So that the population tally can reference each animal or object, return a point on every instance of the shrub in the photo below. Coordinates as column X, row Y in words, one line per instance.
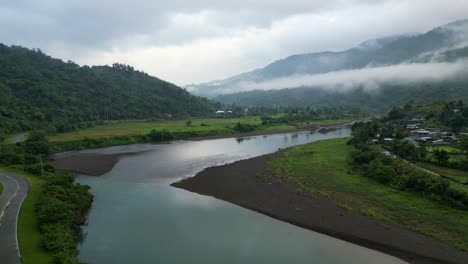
column 241, row 127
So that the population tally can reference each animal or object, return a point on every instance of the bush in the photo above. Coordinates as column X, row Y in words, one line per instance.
column 242, row 128
column 157, row 136
column 60, row 210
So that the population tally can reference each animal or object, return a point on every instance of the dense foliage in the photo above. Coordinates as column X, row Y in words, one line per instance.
column 38, row 91
column 61, row 209
column 450, row 116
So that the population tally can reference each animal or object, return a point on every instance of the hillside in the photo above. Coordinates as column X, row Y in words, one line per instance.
column 443, row 44
column 40, row 91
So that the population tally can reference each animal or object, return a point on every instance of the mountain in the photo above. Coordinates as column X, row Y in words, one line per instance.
column 442, row 44
column 38, row 91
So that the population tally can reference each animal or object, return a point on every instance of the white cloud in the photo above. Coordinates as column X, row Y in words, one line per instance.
column 201, row 40
column 370, row 78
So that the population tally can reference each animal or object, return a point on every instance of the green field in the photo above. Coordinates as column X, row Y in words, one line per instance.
column 141, row 127
column 449, row 149
column 321, row 168
column 29, row 238
column 456, row 174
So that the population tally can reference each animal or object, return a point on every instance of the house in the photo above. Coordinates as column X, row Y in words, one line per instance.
column 412, row 127
column 421, row 132
column 440, row 142
column 220, row 112
column 425, row 139
column 416, row 121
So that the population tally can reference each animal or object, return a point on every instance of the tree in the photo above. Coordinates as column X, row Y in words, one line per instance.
column 442, row 157
column 37, row 144
column 188, row 123
column 464, row 143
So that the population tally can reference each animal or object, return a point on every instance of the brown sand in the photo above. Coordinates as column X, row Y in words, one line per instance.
column 89, row 164
column 250, row 184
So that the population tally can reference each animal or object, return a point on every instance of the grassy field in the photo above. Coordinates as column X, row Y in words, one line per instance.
column 449, row 149
column 321, row 168
column 28, row 231
column 456, row 174
column 141, row 127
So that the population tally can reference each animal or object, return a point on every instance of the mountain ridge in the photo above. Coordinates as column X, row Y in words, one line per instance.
column 391, row 50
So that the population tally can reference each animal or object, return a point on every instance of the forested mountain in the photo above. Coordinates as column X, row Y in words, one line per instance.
column 374, row 100
column 37, row 91
column 442, row 44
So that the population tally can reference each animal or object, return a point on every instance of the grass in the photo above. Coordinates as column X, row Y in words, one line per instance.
column 453, row 173
column 321, row 168
column 141, row 127
column 29, row 237
column 1, row 189
column 8, row 139
column 449, row 149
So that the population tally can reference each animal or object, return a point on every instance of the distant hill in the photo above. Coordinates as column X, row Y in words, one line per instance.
column 442, row 44
column 39, row 91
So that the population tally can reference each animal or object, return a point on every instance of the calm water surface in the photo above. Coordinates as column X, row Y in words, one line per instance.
column 137, row 217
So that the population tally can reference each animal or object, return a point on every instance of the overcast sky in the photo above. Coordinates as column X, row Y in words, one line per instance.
column 192, row 41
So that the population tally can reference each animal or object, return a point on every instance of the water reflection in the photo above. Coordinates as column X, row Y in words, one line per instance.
column 137, row 217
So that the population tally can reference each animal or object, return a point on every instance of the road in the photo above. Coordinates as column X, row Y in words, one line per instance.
column 14, row 192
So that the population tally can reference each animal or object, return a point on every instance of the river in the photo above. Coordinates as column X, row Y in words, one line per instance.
column 137, row 217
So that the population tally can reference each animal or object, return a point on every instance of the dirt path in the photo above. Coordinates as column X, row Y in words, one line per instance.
column 18, row 138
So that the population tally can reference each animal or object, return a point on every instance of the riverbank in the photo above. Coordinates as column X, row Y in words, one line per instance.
column 97, row 164
column 188, row 133
column 315, row 191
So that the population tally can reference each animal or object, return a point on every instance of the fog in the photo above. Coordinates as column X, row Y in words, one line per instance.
column 370, row 78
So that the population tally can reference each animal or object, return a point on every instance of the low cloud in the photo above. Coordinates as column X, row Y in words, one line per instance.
column 370, row 78
column 193, row 41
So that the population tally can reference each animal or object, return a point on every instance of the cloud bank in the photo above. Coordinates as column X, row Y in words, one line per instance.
column 369, row 78
column 192, row 41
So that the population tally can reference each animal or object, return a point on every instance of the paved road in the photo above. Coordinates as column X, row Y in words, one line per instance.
column 14, row 191
column 18, row 138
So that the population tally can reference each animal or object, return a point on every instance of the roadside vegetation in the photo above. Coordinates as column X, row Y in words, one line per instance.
column 54, row 208
column 325, row 169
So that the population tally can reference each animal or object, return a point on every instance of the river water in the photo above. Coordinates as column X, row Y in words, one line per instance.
column 137, row 217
